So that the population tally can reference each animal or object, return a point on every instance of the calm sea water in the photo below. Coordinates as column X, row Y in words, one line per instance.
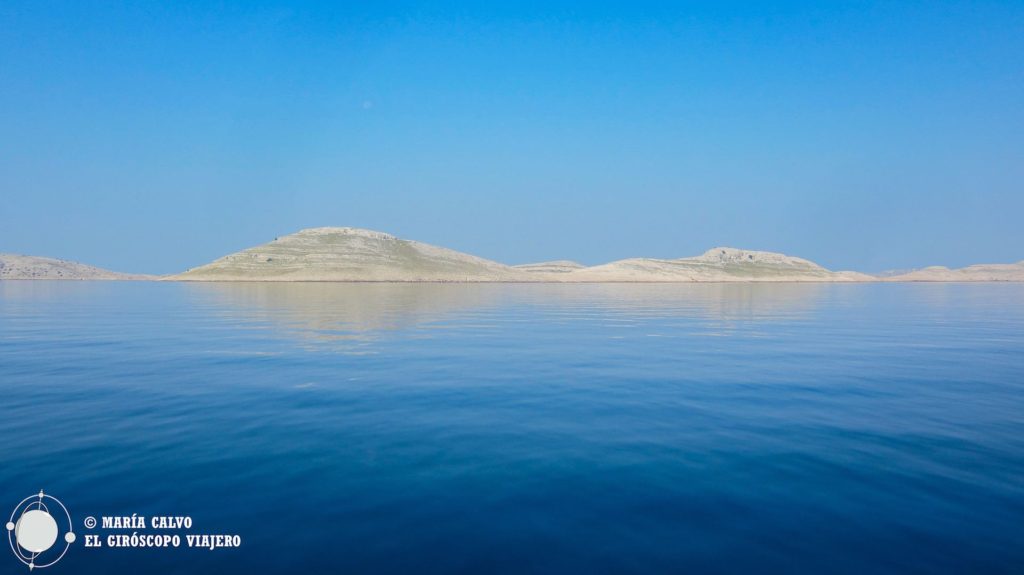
column 384, row 428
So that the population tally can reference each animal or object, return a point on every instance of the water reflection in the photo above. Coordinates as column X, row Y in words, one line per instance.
column 356, row 311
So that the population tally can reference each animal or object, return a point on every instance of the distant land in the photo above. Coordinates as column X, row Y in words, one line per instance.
column 17, row 267
column 351, row 254
column 975, row 273
column 358, row 255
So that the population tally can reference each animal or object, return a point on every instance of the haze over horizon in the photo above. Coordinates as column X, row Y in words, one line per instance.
column 868, row 136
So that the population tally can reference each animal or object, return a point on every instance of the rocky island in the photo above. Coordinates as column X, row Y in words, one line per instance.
column 352, row 254
column 333, row 254
column 19, row 267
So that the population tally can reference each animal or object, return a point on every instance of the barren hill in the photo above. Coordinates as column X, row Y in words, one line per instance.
column 18, row 267
column 351, row 254
column 975, row 273
column 348, row 254
column 717, row 264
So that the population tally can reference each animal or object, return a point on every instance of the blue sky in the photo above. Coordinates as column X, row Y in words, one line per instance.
column 153, row 137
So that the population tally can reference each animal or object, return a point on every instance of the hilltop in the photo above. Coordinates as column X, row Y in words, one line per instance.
column 348, row 254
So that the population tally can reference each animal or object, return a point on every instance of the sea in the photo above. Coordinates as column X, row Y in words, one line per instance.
column 514, row 428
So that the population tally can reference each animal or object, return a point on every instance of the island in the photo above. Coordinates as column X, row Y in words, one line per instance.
column 342, row 254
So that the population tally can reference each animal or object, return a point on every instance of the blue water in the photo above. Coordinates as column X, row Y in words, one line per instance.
column 378, row 428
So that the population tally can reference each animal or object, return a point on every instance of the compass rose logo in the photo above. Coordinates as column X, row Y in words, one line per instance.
column 34, row 528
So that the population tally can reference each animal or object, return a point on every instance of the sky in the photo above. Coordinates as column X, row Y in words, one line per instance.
column 154, row 137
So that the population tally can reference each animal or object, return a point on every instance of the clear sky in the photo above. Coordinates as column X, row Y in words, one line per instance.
column 153, row 137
